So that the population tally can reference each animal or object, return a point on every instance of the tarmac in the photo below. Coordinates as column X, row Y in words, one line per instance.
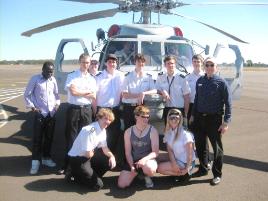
column 245, row 144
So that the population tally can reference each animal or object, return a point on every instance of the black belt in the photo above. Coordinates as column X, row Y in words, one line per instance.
column 208, row 114
column 130, row 104
column 80, row 106
column 111, row 108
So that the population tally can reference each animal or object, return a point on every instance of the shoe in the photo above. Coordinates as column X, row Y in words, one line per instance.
column 148, row 182
column 69, row 178
column 61, row 171
column 35, row 166
column 98, row 185
column 209, row 165
column 48, row 162
column 215, row 181
column 200, row 173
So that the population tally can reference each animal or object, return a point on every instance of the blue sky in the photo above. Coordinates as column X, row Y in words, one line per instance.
column 16, row 16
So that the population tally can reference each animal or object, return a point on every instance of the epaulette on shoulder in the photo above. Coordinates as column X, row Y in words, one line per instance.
column 161, row 73
column 181, row 75
column 127, row 74
column 99, row 73
column 149, row 74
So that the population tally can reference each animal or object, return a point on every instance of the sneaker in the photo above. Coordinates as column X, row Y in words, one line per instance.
column 35, row 166
column 48, row 162
column 215, row 181
column 148, row 182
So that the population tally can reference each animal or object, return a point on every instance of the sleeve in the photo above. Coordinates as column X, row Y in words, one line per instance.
column 29, row 92
column 185, row 88
column 125, row 85
column 227, row 98
column 157, row 83
column 68, row 81
column 86, row 140
column 56, row 92
column 188, row 137
column 152, row 83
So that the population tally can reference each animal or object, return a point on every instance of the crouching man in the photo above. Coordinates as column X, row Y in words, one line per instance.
column 90, row 158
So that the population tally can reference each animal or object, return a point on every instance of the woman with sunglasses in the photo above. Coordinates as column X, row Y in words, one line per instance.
column 141, row 149
column 180, row 147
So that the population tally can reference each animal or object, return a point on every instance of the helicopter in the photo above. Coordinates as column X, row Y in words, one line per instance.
column 153, row 40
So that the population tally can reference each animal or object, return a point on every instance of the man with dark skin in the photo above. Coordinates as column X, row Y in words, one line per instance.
column 41, row 96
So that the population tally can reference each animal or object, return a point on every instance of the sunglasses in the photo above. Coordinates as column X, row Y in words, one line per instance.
column 145, row 116
column 209, row 65
column 174, row 118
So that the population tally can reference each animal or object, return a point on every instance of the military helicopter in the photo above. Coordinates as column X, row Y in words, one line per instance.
column 154, row 40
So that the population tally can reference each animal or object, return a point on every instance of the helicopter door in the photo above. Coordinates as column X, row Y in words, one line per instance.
column 66, row 60
column 230, row 65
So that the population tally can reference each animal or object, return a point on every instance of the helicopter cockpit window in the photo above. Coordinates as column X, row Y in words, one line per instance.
column 152, row 54
column 124, row 50
column 182, row 52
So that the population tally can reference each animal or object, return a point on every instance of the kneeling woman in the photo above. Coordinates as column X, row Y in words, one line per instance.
column 180, row 147
column 90, row 158
column 141, row 149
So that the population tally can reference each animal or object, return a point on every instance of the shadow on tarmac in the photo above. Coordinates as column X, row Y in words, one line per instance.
column 160, row 183
column 18, row 166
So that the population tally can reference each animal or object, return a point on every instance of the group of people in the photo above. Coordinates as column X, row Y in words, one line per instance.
column 97, row 142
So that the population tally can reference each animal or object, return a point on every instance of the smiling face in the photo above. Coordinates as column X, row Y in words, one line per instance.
column 111, row 65
column 84, row 63
column 47, row 71
column 210, row 68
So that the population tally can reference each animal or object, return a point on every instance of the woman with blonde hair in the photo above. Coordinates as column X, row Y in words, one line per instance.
column 180, row 147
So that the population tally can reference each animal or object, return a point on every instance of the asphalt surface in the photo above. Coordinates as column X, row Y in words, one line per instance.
column 245, row 145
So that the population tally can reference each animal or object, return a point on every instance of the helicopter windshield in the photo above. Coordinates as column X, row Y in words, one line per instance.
column 124, row 50
column 182, row 52
column 152, row 54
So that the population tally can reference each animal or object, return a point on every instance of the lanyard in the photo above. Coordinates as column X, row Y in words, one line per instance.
column 170, row 83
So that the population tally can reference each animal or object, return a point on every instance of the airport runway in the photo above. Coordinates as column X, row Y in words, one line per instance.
column 245, row 167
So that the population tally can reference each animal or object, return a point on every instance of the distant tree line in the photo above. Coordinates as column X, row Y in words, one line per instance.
column 33, row 62
column 248, row 63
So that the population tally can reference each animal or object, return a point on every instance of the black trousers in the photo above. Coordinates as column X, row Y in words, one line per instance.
column 128, row 116
column 42, row 136
column 89, row 171
column 207, row 126
column 115, row 137
column 165, row 112
column 76, row 118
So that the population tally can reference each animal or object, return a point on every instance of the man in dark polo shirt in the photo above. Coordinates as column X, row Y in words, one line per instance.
column 210, row 115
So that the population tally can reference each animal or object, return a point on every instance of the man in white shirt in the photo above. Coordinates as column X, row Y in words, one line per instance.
column 174, row 88
column 90, row 158
column 109, row 89
column 81, row 92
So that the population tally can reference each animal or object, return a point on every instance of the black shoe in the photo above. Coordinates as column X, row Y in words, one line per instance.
column 98, row 185
column 183, row 178
column 69, row 178
column 200, row 173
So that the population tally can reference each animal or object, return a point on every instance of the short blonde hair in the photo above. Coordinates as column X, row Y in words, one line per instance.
column 105, row 112
column 141, row 110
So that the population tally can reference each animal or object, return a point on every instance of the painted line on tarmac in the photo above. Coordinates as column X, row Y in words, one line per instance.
column 3, row 117
column 7, row 95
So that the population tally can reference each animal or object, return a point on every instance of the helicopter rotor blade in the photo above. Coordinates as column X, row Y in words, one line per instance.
column 97, row 1
column 72, row 20
column 210, row 26
column 231, row 3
